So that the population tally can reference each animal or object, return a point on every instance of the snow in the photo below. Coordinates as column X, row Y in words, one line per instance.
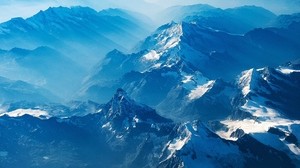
column 259, row 131
column 151, row 56
column 258, row 110
column 135, row 120
column 287, row 71
column 169, row 38
column 46, row 157
column 245, row 80
column 172, row 43
column 157, row 65
column 187, row 78
column 201, row 90
column 202, row 144
column 293, row 148
column 250, row 126
column 21, row 112
column 178, row 143
column 191, row 81
column 107, row 126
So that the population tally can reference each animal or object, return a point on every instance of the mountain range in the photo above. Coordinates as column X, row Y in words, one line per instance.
column 209, row 87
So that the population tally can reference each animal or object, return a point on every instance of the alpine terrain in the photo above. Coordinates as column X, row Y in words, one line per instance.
column 189, row 86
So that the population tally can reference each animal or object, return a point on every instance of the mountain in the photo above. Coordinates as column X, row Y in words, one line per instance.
column 123, row 129
column 42, row 66
column 81, row 33
column 255, row 16
column 177, row 13
column 143, row 20
column 286, row 20
column 185, row 66
column 275, row 88
column 203, row 147
column 266, row 108
column 14, row 91
column 125, row 134
column 237, row 20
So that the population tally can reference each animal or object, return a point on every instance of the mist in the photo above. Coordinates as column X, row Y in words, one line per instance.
column 22, row 8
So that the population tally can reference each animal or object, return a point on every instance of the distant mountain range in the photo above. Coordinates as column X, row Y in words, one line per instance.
column 44, row 67
column 233, row 20
column 12, row 91
column 81, row 33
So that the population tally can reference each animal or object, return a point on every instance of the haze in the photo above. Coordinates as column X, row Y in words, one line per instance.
column 26, row 8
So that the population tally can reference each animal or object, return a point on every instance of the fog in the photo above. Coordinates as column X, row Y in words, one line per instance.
column 26, row 8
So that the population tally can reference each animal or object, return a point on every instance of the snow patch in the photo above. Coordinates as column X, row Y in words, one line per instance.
column 46, row 157
column 245, row 80
column 250, row 126
column 287, row 71
column 21, row 112
column 191, row 81
column 107, row 126
column 201, row 90
column 293, row 148
column 187, row 78
column 151, row 56
column 178, row 143
column 258, row 110
column 157, row 65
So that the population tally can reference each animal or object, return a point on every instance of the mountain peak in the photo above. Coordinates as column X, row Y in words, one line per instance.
column 164, row 38
column 120, row 94
column 64, row 12
column 120, row 103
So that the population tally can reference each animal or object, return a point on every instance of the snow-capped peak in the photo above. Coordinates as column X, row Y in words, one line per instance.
column 170, row 37
column 161, row 41
column 245, row 80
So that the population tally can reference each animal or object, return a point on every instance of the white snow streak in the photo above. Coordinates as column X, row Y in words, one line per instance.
column 201, row 90
column 21, row 112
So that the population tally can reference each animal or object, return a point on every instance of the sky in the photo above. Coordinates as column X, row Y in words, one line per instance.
column 27, row 8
